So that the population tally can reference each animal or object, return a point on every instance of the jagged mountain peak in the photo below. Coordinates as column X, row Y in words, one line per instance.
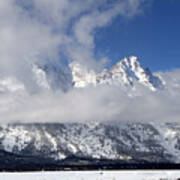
column 51, row 77
column 131, row 62
column 81, row 76
column 129, row 70
column 125, row 73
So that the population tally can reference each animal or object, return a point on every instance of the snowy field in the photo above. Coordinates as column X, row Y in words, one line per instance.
column 93, row 175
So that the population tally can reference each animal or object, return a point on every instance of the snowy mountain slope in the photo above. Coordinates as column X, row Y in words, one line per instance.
column 79, row 143
column 89, row 175
column 133, row 142
column 125, row 73
column 81, row 76
column 50, row 77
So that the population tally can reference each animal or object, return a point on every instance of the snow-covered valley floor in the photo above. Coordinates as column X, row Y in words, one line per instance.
column 93, row 175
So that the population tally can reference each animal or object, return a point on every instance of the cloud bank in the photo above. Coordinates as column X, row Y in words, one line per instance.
column 101, row 104
column 41, row 31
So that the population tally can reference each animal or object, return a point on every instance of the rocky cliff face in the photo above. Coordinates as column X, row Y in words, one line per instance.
column 126, row 72
column 77, row 143
column 133, row 142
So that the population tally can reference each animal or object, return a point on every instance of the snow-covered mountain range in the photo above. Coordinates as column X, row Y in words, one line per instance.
column 82, row 143
column 126, row 73
column 130, row 143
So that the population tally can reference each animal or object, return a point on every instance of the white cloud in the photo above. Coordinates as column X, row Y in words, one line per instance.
column 34, row 30
column 100, row 104
column 85, row 26
column 40, row 30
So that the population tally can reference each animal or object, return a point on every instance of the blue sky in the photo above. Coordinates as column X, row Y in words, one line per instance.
column 153, row 36
column 67, row 30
